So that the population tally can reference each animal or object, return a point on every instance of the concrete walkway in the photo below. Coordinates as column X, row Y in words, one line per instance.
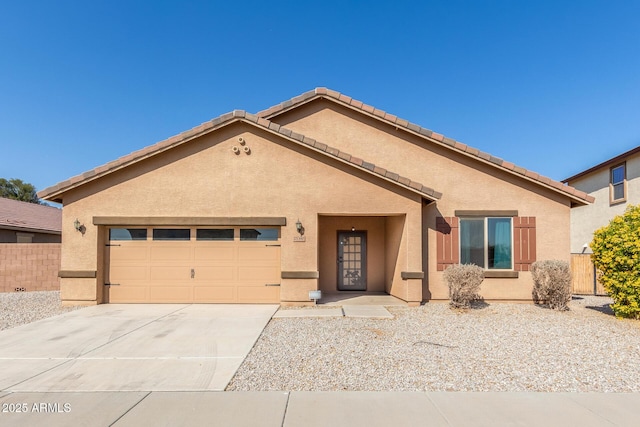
column 308, row 409
column 366, row 311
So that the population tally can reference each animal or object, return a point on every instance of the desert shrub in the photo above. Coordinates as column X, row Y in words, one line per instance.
column 616, row 254
column 551, row 283
column 464, row 282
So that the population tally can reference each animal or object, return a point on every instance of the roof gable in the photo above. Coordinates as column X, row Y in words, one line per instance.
column 55, row 192
column 30, row 216
column 575, row 195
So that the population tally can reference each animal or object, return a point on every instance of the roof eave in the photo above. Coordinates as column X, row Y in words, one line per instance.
column 29, row 229
column 607, row 163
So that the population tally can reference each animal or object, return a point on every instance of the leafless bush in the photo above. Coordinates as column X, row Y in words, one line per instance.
column 551, row 283
column 464, row 282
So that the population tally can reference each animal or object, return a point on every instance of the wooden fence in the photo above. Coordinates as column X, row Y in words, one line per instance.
column 583, row 272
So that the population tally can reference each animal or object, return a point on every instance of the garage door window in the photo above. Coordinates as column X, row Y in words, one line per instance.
column 171, row 234
column 258, row 234
column 128, row 234
column 214, row 234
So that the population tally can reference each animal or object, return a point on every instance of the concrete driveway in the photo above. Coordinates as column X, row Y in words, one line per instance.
column 118, row 347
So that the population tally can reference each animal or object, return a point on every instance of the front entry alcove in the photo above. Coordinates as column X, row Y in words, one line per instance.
column 368, row 258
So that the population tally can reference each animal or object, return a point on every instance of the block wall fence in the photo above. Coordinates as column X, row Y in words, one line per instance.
column 29, row 267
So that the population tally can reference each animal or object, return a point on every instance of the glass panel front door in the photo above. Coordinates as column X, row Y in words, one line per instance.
column 352, row 261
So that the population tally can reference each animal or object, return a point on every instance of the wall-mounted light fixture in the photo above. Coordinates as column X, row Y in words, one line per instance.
column 299, row 227
column 79, row 226
column 353, row 229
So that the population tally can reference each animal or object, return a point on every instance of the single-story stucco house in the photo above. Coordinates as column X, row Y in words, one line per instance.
column 320, row 192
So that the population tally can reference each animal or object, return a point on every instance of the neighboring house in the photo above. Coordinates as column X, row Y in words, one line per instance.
column 22, row 222
column 321, row 192
column 615, row 184
column 29, row 246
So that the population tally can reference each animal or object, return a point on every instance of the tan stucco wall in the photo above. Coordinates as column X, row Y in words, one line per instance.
column 466, row 184
column 394, row 263
column 206, row 179
column 587, row 219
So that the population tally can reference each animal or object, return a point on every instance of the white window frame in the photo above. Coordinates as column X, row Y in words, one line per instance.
column 485, row 220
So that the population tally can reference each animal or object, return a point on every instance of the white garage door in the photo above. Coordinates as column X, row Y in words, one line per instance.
column 185, row 265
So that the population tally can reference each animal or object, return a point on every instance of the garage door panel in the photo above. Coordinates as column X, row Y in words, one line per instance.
column 215, row 274
column 131, row 294
column 259, row 294
column 174, row 252
column 257, row 254
column 128, row 254
column 171, row 293
column 128, row 272
column 162, row 273
column 258, row 273
column 225, row 253
column 215, row 293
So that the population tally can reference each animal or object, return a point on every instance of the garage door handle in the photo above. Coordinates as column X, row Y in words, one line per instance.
column 112, row 284
column 272, row 284
column 272, row 245
column 193, row 273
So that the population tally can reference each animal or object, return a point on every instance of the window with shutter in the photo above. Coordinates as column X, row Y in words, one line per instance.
column 524, row 242
column 485, row 241
column 448, row 248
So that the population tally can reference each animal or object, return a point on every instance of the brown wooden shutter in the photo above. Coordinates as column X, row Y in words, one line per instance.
column 448, row 246
column 524, row 242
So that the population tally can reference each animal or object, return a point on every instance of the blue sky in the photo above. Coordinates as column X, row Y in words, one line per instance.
column 553, row 86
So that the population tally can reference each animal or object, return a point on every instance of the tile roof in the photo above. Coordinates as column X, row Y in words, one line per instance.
column 262, row 120
column 427, row 134
column 30, row 216
column 53, row 193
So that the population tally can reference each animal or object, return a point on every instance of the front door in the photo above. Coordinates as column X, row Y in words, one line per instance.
column 352, row 261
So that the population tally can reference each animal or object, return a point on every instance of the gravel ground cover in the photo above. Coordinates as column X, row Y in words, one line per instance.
column 493, row 347
column 19, row 308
